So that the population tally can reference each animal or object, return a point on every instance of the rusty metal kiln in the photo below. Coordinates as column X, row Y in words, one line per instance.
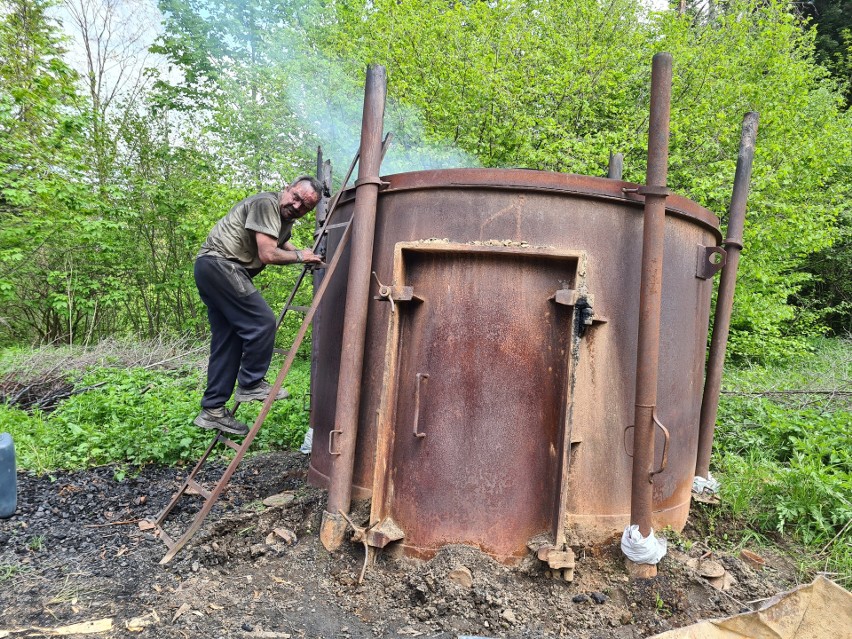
column 498, row 386
column 520, row 363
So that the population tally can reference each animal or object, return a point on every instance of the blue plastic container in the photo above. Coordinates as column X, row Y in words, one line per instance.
column 8, row 478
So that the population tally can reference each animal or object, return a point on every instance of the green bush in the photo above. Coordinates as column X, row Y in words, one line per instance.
column 785, row 458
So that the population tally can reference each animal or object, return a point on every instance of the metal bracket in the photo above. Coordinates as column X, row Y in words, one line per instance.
column 707, row 264
column 384, row 532
column 560, row 559
column 565, row 297
column 584, row 303
column 372, row 180
column 647, row 189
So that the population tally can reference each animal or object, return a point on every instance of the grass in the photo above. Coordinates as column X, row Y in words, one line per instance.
column 783, row 450
column 135, row 415
column 7, row 571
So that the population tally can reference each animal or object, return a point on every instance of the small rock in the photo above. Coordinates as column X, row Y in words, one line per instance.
column 247, row 627
column 509, row 616
column 722, row 583
column 599, row 597
column 462, row 576
column 579, row 599
column 286, row 534
column 281, row 499
column 710, row 569
column 196, row 566
column 755, row 560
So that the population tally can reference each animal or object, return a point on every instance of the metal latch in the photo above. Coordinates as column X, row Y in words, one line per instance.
column 394, row 293
column 583, row 304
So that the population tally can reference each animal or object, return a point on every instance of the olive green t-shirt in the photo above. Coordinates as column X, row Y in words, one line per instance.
column 233, row 236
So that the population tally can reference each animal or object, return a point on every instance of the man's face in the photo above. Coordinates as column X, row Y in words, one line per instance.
column 296, row 201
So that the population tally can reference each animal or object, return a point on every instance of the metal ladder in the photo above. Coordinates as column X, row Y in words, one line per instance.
column 190, row 485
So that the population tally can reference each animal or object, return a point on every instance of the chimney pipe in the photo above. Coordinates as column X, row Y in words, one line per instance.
column 650, row 295
column 725, row 299
column 342, row 446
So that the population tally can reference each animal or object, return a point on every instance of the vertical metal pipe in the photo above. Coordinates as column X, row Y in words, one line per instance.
column 725, row 298
column 616, row 166
column 650, row 295
column 355, row 313
column 320, row 241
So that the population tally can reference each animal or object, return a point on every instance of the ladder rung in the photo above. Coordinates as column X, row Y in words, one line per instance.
column 194, row 488
column 164, row 537
column 229, row 443
column 281, row 351
column 299, row 309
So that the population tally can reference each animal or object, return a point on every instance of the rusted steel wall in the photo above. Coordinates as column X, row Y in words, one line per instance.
column 600, row 223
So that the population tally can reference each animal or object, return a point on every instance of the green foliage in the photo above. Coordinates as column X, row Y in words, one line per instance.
column 801, row 463
column 833, row 22
column 142, row 416
column 785, row 459
column 227, row 51
column 42, row 199
column 828, row 292
column 557, row 85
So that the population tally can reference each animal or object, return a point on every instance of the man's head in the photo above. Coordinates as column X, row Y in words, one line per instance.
column 299, row 198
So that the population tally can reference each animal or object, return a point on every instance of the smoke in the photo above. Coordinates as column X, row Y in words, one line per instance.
column 327, row 98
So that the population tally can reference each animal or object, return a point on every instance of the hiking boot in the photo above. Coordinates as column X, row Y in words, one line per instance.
column 220, row 419
column 258, row 393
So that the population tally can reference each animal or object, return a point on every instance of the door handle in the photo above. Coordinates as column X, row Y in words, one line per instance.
column 420, row 378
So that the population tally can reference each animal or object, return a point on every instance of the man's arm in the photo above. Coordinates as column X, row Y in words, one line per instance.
column 269, row 253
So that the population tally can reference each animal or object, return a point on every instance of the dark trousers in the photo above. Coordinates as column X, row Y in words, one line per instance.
column 242, row 328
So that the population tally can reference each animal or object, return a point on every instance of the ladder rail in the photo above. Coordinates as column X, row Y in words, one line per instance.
column 158, row 519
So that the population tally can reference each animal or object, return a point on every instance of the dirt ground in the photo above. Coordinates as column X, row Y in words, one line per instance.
column 73, row 553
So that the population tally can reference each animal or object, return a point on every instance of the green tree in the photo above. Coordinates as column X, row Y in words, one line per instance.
column 42, row 195
column 227, row 52
column 557, row 85
column 832, row 20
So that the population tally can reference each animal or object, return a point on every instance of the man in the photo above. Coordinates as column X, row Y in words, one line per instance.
column 256, row 232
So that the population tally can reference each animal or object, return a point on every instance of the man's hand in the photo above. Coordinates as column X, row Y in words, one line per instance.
column 309, row 257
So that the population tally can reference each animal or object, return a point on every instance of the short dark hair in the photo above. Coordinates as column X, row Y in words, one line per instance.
column 312, row 181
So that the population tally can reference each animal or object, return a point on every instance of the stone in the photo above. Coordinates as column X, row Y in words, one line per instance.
column 281, row 499
column 710, row 569
column 287, row 535
column 509, row 616
column 462, row 576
